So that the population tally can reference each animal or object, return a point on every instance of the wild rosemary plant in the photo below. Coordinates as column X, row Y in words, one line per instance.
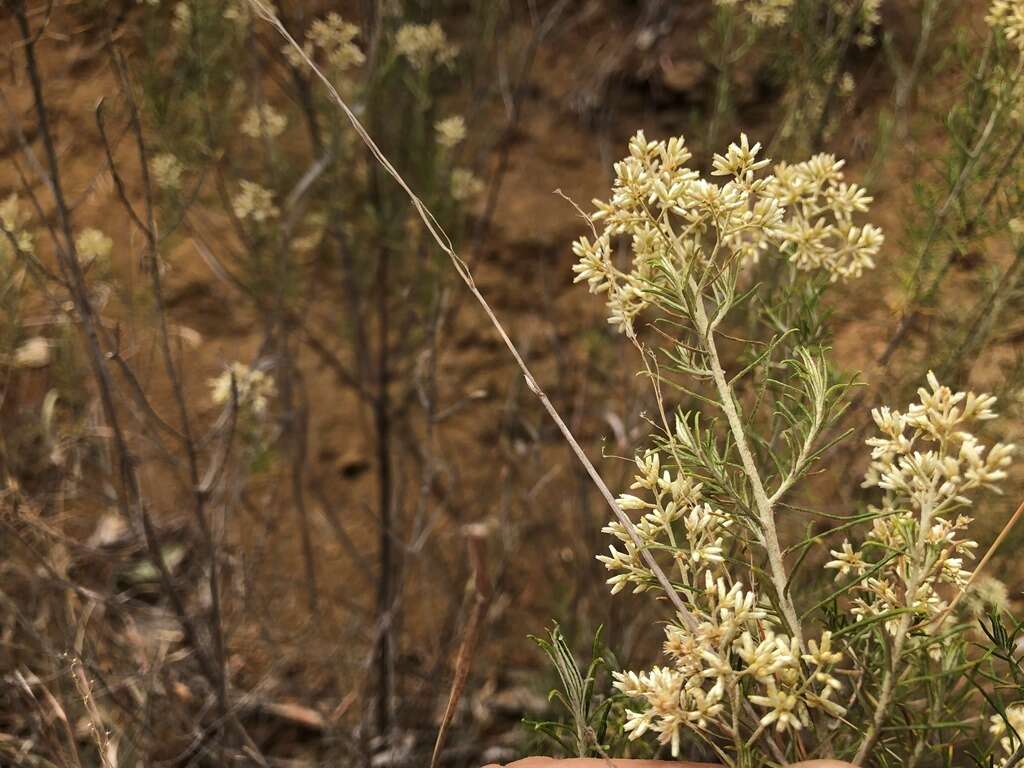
column 756, row 674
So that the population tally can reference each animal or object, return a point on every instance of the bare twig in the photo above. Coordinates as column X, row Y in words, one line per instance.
column 131, row 502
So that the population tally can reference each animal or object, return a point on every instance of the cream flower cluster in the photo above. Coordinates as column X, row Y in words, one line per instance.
column 775, row 13
column 92, row 244
column 263, row 121
column 818, row 232
column 166, row 170
column 465, row 185
column 763, row 13
column 673, row 216
column 424, row 46
column 926, row 462
column 1007, row 16
column 871, row 19
column 336, row 38
column 254, row 388
column 734, row 652
column 674, row 500
column 254, row 202
column 451, row 131
column 1009, row 742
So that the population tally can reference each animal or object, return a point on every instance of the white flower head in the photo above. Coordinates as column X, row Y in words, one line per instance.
column 263, row 121
column 254, row 202
column 253, row 388
column 803, row 212
column 92, row 245
column 465, row 185
column 424, row 46
column 451, row 131
column 337, row 39
column 166, row 170
column 182, row 20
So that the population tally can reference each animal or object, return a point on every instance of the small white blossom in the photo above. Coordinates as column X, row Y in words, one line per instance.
column 927, row 463
column 254, row 388
column 263, row 121
column 424, row 45
column 988, row 592
column 166, row 170
column 255, row 202
column 1009, row 741
column 465, row 185
column 847, row 560
column 92, row 245
column 782, row 709
column 451, row 131
column 763, row 13
column 336, row 38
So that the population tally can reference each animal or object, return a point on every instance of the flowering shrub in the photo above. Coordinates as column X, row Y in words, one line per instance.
column 744, row 660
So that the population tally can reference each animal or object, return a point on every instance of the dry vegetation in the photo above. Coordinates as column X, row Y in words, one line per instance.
column 273, row 490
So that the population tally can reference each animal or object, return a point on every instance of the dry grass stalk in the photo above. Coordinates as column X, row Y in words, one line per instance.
column 445, row 243
column 464, row 659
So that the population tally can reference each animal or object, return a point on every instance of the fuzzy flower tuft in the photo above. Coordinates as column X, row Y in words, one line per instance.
column 762, row 13
column 263, row 121
column 451, row 131
column 254, row 389
column 465, row 185
column 242, row 13
column 1009, row 740
column 166, row 170
column 254, row 202
column 92, row 245
column 424, row 46
column 336, row 38
column 181, row 22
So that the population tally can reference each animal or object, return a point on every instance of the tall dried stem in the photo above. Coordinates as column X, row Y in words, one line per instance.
column 444, row 242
